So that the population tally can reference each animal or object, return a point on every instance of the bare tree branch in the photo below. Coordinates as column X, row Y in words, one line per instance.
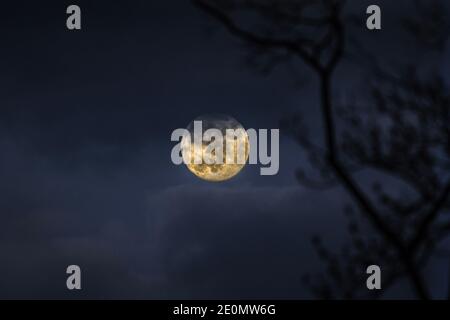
column 254, row 38
column 430, row 218
column 409, row 141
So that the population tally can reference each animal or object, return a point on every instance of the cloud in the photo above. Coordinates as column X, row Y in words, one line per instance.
column 243, row 242
column 190, row 241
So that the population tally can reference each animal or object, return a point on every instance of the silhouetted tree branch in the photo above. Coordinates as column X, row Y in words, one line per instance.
column 314, row 32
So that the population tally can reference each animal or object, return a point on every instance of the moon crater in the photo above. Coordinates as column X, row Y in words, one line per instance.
column 214, row 171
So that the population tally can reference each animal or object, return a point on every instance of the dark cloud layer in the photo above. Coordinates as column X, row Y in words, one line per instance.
column 188, row 242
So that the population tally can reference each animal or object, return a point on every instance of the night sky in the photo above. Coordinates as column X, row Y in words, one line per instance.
column 85, row 170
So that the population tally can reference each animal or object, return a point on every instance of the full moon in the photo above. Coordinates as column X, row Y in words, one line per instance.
column 217, row 172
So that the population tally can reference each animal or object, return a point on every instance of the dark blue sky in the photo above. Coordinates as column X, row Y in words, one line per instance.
column 85, row 170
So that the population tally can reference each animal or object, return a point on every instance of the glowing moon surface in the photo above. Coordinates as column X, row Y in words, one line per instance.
column 217, row 171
